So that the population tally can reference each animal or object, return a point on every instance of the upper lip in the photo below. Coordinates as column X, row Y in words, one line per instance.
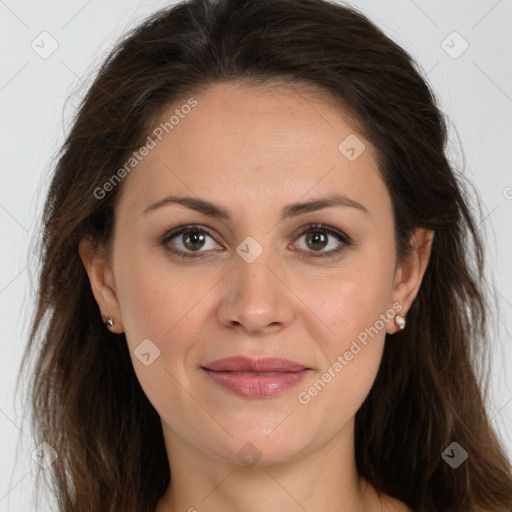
column 246, row 364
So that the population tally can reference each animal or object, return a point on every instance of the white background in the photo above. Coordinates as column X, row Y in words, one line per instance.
column 474, row 90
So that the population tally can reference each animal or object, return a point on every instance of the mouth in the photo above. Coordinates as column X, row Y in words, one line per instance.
column 251, row 378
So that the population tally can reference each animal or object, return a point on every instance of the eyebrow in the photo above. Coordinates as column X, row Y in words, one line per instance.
column 290, row 210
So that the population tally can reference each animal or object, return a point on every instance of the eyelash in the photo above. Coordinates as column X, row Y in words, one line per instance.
column 342, row 237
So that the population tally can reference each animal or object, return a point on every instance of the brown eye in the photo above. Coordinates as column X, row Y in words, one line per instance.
column 186, row 240
column 319, row 237
column 193, row 240
column 316, row 240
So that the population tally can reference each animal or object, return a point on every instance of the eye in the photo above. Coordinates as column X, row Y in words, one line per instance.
column 184, row 241
column 317, row 238
column 189, row 239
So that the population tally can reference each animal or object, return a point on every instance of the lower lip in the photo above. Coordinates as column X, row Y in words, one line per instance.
column 257, row 385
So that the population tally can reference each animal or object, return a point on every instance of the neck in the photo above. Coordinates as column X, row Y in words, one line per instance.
column 323, row 479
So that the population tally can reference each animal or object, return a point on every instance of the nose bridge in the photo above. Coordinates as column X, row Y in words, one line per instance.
column 252, row 271
column 255, row 297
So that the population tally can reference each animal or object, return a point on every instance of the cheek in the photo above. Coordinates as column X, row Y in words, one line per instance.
column 358, row 327
column 155, row 306
column 356, row 313
column 141, row 303
column 351, row 357
column 151, row 301
column 356, row 300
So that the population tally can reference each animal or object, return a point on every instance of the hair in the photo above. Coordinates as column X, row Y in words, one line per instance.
column 85, row 398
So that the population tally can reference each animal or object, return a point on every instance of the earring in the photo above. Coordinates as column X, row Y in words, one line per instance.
column 109, row 321
column 400, row 321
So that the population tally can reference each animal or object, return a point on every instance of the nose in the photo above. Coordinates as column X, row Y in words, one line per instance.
column 256, row 298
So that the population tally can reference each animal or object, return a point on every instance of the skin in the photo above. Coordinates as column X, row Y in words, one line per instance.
column 253, row 151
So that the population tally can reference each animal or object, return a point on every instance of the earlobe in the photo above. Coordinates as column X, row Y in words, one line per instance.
column 409, row 275
column 98, row 269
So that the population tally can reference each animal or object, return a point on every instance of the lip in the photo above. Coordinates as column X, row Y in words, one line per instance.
column 246, row 364
column 256, row 378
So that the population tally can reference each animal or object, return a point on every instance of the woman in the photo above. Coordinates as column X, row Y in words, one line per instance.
column 262, row 283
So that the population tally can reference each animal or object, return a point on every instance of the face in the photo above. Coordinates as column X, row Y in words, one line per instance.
column 317, row 286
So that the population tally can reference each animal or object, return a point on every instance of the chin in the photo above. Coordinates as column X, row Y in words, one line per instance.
column 263, row 445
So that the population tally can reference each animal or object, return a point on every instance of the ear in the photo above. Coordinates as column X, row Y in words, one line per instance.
column 410, row 272
column 100, row 274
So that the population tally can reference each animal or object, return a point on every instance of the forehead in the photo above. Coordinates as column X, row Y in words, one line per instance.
column 267, row 143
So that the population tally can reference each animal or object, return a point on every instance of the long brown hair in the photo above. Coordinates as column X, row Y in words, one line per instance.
column 85, row 399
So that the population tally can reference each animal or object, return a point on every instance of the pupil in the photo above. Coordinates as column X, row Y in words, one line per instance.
column 194, row 238
column 317, row 238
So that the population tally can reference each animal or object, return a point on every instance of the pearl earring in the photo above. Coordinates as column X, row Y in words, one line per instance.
column 400, row 321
